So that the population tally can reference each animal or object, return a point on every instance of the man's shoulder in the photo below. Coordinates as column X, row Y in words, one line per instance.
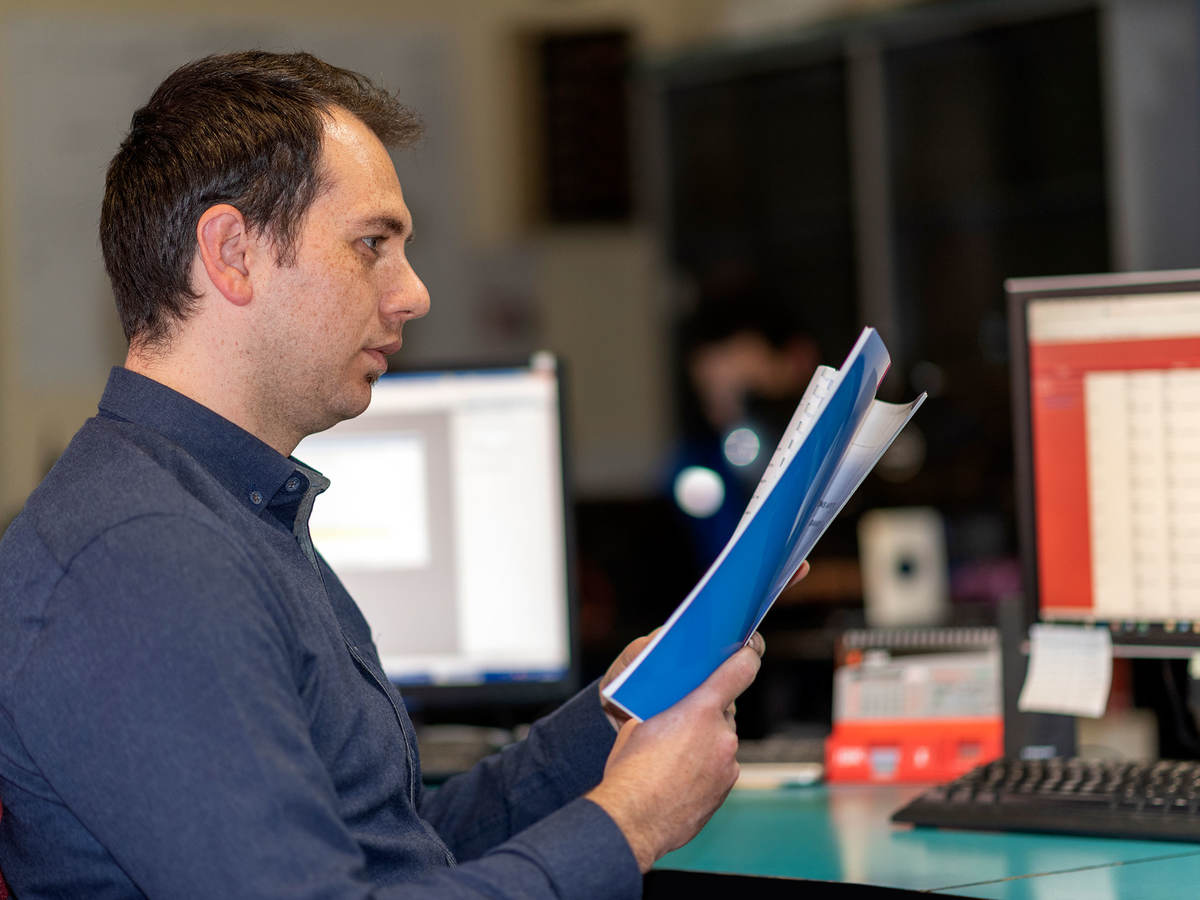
column 111, row 473
column 122, row 520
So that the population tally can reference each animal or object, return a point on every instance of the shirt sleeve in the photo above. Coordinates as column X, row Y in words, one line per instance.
column 562, row 757
column 161, row 707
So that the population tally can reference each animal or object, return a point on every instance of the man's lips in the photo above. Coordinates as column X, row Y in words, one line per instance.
column 388, row 349
column 382, row 352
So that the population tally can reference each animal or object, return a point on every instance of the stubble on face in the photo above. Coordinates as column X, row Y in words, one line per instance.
column 337, row 310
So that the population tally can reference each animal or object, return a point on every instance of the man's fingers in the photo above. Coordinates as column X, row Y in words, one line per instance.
column 757, row 643
column 632, row 649
column 800, row 573
column 624, row 735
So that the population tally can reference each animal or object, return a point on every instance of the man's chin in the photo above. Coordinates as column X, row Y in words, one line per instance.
column 353, row 404
column 358, row 404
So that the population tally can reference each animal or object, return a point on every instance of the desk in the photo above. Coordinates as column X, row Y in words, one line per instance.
column 841, row 833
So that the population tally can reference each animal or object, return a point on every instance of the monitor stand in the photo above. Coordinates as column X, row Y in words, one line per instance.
column 1026, row 735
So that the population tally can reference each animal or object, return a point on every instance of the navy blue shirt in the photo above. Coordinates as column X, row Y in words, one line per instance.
column 191, row 703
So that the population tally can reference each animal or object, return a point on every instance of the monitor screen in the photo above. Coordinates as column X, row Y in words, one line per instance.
column 446, row 521
column 1107, row 401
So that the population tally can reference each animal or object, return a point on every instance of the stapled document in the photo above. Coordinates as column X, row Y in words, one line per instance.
column 1070, row 670
column 838, row 433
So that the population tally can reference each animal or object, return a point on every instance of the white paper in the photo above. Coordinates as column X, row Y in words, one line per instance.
column 1070, row 670
column 876, row 433
column 820, row 386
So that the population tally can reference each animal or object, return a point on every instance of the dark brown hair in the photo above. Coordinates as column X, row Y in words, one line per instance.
column 240, row 128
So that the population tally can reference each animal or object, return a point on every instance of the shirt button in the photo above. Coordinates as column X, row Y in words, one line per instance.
column 255, row 497
column 292, row 484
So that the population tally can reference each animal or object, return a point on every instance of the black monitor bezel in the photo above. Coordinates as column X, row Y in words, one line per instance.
column 432, row 702
column 1130, row 638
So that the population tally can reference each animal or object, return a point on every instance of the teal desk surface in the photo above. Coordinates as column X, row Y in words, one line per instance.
column 842, row 833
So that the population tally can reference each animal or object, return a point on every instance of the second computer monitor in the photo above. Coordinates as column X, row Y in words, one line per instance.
column 1107, row 400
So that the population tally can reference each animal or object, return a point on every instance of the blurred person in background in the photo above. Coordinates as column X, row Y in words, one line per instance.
column 744, row 367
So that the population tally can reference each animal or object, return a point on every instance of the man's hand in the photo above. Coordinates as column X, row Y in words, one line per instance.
column 666, row 776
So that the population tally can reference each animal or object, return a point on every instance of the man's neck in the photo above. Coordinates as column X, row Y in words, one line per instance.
column 212, row 385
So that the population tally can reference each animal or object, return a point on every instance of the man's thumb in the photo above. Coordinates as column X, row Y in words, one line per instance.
column 730, row 679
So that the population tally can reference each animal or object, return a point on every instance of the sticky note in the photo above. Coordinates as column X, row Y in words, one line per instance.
column 1070, row 670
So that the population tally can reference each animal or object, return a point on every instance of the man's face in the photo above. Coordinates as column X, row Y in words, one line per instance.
column 332, row 318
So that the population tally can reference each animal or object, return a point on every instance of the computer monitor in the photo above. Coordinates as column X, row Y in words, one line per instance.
column 447, row 521
column 1106, row 391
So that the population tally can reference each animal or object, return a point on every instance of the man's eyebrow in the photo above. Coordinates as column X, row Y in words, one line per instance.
column 393, row 225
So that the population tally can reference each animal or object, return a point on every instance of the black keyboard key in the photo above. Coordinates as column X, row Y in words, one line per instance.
column 1070, row 798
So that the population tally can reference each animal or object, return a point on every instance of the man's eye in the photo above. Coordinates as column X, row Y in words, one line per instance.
column 373, row 242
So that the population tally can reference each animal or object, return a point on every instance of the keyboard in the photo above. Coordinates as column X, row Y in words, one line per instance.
column 1107, row 798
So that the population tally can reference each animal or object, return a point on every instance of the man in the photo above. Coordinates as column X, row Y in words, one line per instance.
column 190, row 703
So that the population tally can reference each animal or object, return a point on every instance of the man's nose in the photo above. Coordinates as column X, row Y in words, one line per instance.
column 408, row 297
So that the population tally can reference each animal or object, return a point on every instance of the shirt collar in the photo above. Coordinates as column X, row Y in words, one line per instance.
column 249, row 468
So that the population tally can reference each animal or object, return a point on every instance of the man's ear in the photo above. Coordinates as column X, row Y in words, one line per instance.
column 225, row 250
